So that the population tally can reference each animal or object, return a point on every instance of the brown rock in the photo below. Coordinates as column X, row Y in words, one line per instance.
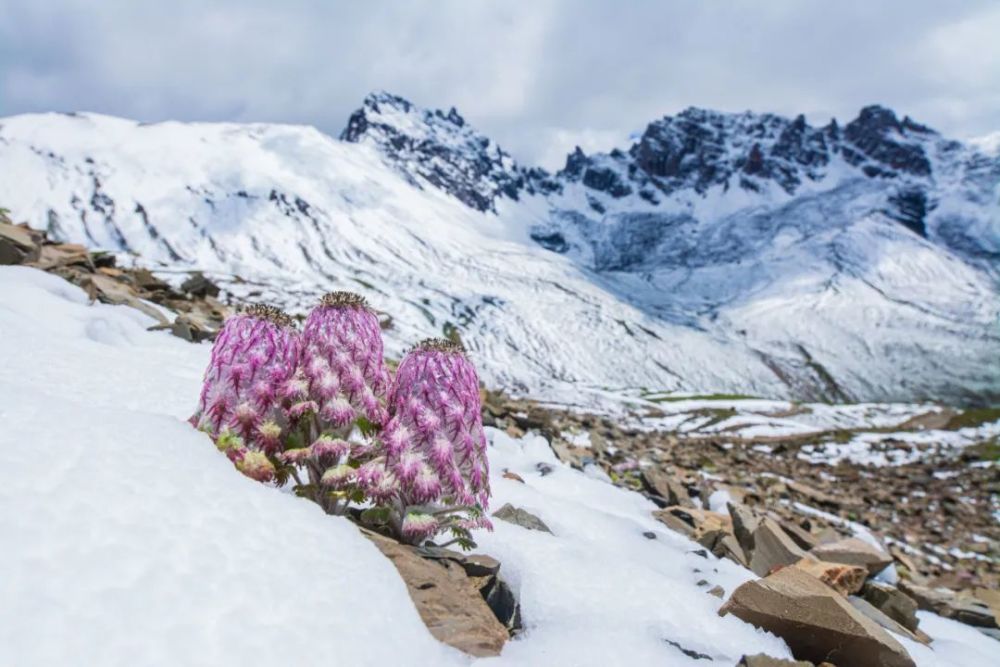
column 883, row 620
column 723, row 544
column 717, row 591
column 520, row 517
column 507, row 474
column 666, row 486
column 448, row 601
column 745, row 522
column 761, row 660
column 800, row 536
column 695, row 523
column 992, row 599
column 817, row 497
column 772, row 548
column 18, row 245
column 892, row 602
column 845, row 579
column 853, row 551
column 968, row 610
column 815, row 622
column 62, row 254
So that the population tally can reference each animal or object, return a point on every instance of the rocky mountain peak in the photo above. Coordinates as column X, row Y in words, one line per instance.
column 887, row 144
column 439, row 148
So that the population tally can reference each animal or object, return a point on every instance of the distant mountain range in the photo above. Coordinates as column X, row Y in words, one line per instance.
column 745, row 253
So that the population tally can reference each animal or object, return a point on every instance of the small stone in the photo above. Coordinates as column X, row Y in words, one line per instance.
column 853, row 551
column 717, row 591
column 882, row 619
column 845, row 579
column 761, row 660
column 520, row 517
column 745, row 522
column 892, row 602
column 544, row 469
column 513, row 475
column 199, row 285
column 480, row 565
column 667, row 487
column 649, row 535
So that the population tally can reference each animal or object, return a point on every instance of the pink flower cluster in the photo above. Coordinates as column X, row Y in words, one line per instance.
column 343, row 361
column 277, row 402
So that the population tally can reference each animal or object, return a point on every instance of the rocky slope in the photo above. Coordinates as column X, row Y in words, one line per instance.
column 721, row 252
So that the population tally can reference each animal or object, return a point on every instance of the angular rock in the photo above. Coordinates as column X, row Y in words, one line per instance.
column 448, row 601
column 772, row 548
column 199, row 285
column 853, row 551
column 803, row 538
column 845, row 579
column 109, row 290
column 968, row 610
column 992, row 599
column 666, row 486
column 762, row 660
column 520, row 517
column 892, row 602
column 882, row 619
column 816, row 623
column 502, row 602
column 817, row 497
column 18, row 245
column 723, row 544
column 61, row 255
column 745, row 522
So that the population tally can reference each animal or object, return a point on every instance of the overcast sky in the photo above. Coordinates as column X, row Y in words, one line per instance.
column 538, row 76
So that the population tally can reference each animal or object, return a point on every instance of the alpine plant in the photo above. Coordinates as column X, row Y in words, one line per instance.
column 430, row 473
column 343, row 385
column 253, row 360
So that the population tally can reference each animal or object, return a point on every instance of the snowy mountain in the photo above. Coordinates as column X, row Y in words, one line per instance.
column 721, row 252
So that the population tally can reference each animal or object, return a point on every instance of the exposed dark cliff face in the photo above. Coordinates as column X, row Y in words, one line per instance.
column 442, row 149
column 688, row 156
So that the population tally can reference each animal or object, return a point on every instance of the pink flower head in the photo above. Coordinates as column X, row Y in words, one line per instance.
column 254, row 356
column 256, row 465
column 418, row 527
column 328, row 446
column 339, row 476
column 435, row 401
column 342, row 350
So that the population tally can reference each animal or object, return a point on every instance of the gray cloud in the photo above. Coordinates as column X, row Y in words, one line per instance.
column 539, row 77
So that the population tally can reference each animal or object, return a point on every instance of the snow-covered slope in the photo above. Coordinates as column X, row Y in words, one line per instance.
column 735, row 253
column 129, row 540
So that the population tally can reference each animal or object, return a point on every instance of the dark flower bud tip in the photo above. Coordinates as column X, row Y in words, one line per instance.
column 269, row 313
column 440, row 345
column 343, row 300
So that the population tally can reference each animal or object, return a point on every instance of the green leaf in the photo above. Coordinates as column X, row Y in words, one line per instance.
column 375, row 516
column 367, row 428
column 305, row 490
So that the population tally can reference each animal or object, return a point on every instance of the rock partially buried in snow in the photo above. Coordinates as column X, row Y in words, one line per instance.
column 520, row 517
column 815, row 622
column 761, row 660
column 892, row 602
column 853, row 551
column 968, row 610
column 666, row 487
column 889, row 624
column 447, row 599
